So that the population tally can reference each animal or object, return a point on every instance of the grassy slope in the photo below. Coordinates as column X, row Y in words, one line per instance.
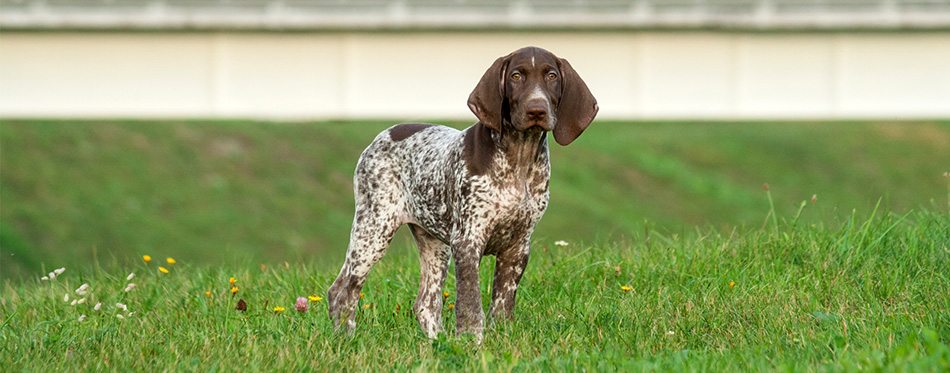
column 865, row 294
column 212, row 192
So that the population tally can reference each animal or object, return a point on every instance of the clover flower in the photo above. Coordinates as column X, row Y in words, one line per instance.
column 301, row 305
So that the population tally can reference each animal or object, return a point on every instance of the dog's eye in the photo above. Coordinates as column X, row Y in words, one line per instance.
column 552, row 76
column 516, row 76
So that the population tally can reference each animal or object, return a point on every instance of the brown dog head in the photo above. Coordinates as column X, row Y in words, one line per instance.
column 531, row 89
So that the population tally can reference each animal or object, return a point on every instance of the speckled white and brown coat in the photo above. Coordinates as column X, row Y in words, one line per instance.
column 466, row 194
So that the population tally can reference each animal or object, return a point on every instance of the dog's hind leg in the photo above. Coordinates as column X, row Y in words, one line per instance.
column 378, row 215
column 367, row 246
column 434, row 262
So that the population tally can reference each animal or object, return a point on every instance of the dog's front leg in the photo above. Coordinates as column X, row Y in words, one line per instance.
column 509, row 267
column 469, row 317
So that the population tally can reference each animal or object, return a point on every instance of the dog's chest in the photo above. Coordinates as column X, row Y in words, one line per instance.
column 509, row 212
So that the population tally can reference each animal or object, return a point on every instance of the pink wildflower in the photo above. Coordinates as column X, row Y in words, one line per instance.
column 301, row 304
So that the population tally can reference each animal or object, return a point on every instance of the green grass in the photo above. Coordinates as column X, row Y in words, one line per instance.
column 867, row 293
column 234, row 192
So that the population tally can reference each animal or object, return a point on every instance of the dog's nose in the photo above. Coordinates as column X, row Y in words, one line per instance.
column 536, row 111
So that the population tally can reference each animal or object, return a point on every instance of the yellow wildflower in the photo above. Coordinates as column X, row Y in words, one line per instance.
column 314, row 298
column 445, row 294
column 146, row 258
column 625, row 288
column 451, row 306
column 208, row 293
column 163, row 269
column 278, row 309
column 234, row 290
column 170, row 261
column 731, row 284
column 361, row 295
column 232, row 281
column 366, row 306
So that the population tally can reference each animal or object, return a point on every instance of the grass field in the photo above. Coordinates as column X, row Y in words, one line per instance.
column 214, row 193
column 677, row 259
column 869, row 293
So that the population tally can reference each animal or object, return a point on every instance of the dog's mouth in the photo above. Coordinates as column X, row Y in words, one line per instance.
column 536, row 126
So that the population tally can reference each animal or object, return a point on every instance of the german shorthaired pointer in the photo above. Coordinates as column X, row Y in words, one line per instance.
column 465, row 194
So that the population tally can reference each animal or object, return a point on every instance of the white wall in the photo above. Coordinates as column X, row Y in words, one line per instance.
column 408, row 75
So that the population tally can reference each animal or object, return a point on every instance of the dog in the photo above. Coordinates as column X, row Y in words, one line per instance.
column 465, row 194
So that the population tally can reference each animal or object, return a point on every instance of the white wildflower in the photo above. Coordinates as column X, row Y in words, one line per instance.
column 59, row 271
column 82, row 289
column 44, row 278
column 81, row 301
column 52, row 276
column 73, row 303
column 120, row 316
column 560, row 243
column 66, row 297
column 130, row 276
column 98, row 306
column 131, row 313
column 670, row 332
column 122, row 306
column 130, row 287
column 81, row 318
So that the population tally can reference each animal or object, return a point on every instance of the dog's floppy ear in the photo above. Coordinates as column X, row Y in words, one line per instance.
column 576, row 108
column 487, row 99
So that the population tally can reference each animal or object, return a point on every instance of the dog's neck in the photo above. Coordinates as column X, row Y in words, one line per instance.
column 515, row 154
column 522, row 149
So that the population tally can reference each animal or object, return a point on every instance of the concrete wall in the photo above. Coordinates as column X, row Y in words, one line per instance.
column 407, row 76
